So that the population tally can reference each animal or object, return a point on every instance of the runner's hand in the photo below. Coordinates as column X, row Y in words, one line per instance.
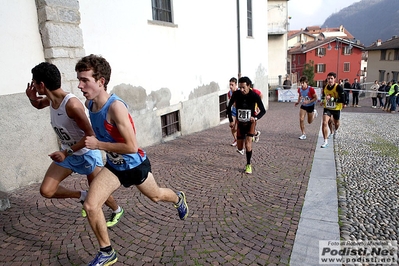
column 32, row 93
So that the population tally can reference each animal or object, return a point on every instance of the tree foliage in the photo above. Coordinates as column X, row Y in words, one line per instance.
column 308, row 71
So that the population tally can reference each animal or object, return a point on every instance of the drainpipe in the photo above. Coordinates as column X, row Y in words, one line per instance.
column 238, row 38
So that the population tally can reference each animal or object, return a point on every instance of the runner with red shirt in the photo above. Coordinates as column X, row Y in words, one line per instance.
column 307, row 97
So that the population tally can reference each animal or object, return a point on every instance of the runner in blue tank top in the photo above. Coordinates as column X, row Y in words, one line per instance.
column 307, row 98
column 71, row 125
column 126, row 165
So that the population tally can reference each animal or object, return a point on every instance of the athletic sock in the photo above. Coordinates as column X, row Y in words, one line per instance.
column 118, row 210
column 249, row 155
column 83, row 195
column 106, row 249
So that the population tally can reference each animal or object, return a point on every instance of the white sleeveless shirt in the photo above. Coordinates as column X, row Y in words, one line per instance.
column 66, row 128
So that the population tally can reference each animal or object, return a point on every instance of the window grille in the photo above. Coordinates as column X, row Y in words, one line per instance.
column 170, row 123
column 223, row 106
column 321, row 68
column 162, row 10
column 346, row 67
column 249, row 18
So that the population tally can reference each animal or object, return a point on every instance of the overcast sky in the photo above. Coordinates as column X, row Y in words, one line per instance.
column 313, row 12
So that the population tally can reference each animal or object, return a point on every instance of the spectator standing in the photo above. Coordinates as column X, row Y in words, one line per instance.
column 387, row 105
column 355, row 93
column 347, row 89
column 287, row 83
column 373, row 94
column 393, row 92
column 381, row 94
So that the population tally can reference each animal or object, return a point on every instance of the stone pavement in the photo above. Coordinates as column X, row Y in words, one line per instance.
column 235, row 219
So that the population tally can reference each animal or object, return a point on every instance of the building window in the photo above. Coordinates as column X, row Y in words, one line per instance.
column 396, row 55
column 321, row 52
column 381, row 76
column 395, row 75
column 347, row 50
column 320, row 68
column 170, row 123
column 320, row 83
column 347, row 67
column 223, row 106
column 389, row 57
column 383, row 54
column 249, row 18
column 162, row 10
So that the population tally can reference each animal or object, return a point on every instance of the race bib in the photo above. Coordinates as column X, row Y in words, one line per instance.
column 243, row 115
column 115, row 158
column 330, row 104
column 64, row 136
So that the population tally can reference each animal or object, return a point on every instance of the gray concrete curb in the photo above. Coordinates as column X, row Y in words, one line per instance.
column 319, row 217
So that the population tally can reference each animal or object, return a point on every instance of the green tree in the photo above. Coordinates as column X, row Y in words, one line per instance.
column 308, row 71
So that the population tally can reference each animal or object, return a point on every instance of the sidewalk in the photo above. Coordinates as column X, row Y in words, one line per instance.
column 235, row 219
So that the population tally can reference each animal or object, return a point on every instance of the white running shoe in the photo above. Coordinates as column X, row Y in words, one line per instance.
column 302, row 136
column 240, row 151
column 256, row 137
column 325, row 145
column 315, row 113
column 234, row 144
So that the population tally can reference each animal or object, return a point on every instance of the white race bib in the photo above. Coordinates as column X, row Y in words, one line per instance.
column 115, row 158
column 243, row 115
column 330, row 104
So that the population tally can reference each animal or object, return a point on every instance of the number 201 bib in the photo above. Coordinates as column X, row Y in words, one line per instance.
column 243, row 115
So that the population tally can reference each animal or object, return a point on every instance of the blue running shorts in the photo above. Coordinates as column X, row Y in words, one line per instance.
column 83, row 164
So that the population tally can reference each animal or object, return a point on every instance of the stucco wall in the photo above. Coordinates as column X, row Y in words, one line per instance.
column 24, row 143
column 155, row 69
column 21, row 46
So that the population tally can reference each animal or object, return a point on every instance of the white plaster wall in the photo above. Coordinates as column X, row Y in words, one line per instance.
column 22, row 126
column 26, row 140
column 199, row 49
column 202, row 47
column 21, row 46
column 277, row 20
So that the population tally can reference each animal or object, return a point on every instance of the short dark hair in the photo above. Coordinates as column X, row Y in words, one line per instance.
column 233, row 79
column 100, row 66
column 48, row 74
column 303, row 79
column 245, row 80
column 332, row 74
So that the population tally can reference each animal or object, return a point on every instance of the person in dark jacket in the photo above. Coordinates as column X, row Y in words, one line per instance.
column 381, row 94
column 347, row 89
column 355, row 93
column 387, row 101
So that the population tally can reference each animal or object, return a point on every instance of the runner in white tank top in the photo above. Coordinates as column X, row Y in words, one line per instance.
column 71, row 124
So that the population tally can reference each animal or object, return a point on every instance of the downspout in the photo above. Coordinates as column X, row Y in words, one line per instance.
column 238, row 38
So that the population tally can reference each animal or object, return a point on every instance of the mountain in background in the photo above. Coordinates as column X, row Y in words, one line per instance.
column 368, row 20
